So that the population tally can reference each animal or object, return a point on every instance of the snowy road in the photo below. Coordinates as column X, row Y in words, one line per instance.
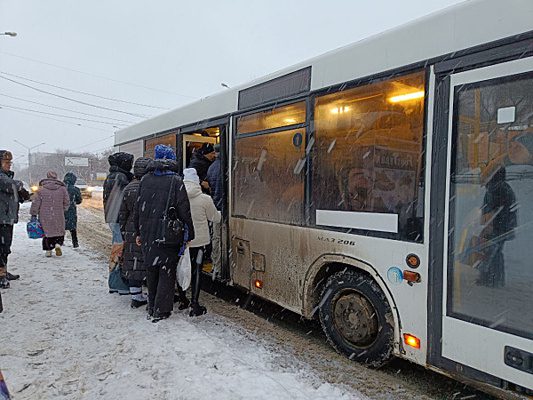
column 69, row 339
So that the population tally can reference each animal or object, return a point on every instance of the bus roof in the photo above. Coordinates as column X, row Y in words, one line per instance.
column 455, row 28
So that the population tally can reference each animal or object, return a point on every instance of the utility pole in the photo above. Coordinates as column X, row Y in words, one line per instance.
column 29, row 157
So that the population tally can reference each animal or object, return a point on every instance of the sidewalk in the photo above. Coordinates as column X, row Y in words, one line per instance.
column 65, row 337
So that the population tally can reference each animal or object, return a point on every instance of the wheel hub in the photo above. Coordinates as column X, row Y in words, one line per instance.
column 355, row 318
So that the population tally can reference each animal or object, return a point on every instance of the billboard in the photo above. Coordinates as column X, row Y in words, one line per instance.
column 76, row 161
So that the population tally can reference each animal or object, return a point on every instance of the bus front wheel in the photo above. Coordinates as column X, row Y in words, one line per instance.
column 357, row 318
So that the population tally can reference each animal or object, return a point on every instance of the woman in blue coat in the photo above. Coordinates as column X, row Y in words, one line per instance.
column 71, row 215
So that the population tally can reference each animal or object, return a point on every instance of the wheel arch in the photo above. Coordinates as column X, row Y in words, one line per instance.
column 327, row 265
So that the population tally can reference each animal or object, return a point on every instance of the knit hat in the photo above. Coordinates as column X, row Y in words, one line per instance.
column 206, row 149
column 139, row 168
column 51, row 175
column 121, row 160
column 163, row 152
column 190, row 175
column 5, row 155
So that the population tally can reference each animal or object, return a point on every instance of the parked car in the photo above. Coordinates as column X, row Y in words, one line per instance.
column 86, row 190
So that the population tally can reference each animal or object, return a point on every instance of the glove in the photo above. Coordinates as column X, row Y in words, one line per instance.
column 24, row 195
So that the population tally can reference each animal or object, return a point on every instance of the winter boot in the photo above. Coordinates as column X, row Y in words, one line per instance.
column 75, row 245
column 4, row 283
column 159, row 316
column 138, row 299
column 197, row 310
column 48, row 253
column 59, row 253
column 12, row 277
column 138, row 303
column 183, row 302
column 180, row 297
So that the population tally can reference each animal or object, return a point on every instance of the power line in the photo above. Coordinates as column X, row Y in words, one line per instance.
column 96, row 141
column 85, row 93
column 60, row 115
column 74, row 100
column 97, row 76
column 65, row 109
column 58, row 120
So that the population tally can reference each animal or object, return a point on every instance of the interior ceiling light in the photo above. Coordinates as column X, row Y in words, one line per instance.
column 340, row 110
column 407, row 97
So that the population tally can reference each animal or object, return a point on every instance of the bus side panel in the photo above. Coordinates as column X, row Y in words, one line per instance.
column 284, row 259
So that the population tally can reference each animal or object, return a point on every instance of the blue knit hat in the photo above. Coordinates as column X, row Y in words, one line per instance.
column 163, row 152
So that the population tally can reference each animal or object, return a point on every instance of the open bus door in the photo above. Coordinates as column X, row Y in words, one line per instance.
column 483, row 296
column 191, row 141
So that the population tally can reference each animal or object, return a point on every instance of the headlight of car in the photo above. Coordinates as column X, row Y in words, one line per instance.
column 34, row 188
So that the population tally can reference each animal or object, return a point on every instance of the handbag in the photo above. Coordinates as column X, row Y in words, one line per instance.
column 34, row 229
column 170, row 228
column 116, row 282
column 184, row 270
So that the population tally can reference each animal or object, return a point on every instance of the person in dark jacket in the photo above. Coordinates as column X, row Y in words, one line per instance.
column 12, row 193
column 499, row 219
column 201, row 160
column 71, row 215
column 118, row 178
column 132, row 267
column 216, row 184
column 154, row 204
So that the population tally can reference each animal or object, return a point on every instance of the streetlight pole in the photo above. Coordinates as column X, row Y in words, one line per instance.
column 12, row 34
column 29, row 157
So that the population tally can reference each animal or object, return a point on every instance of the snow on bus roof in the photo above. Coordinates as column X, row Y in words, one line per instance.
column 455, row 28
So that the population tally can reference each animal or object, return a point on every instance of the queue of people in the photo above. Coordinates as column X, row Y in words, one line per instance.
column 144, row 210
column 159, row 213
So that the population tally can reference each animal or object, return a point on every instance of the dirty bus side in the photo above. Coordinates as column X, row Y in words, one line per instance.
column 328, row 202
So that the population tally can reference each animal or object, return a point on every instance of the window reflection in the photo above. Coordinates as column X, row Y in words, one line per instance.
column 272, row 118
column 149, row 144
column 368, row 151
column 490, row 234
column 268, row 177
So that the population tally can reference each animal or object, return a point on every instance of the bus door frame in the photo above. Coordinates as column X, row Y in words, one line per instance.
column 471, row 59
column 223, row 123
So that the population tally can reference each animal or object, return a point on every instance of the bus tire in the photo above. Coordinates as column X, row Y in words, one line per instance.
column 357, row 318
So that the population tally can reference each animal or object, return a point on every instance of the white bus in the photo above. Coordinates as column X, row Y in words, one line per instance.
column 386, row 188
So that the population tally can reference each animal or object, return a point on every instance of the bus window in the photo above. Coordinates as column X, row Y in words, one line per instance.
column 268, row 177
column 272, row 118
column 368, row 153
column 491, row 222
column 149, row 144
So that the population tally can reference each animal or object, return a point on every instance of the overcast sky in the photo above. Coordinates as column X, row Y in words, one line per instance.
column 163, row 53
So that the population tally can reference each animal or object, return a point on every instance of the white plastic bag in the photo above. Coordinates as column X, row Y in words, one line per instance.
column 184, row 270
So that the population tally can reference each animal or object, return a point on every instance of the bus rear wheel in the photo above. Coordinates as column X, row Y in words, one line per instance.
column 357, row 319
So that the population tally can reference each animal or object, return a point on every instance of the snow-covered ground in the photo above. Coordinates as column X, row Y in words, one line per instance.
column 65, row 337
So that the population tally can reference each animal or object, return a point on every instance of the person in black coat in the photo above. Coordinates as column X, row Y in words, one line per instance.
column 132, row 267
column 12, row 193
column 201, row 160
column 160, row 258
column 118, row 178
column 71, row 215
